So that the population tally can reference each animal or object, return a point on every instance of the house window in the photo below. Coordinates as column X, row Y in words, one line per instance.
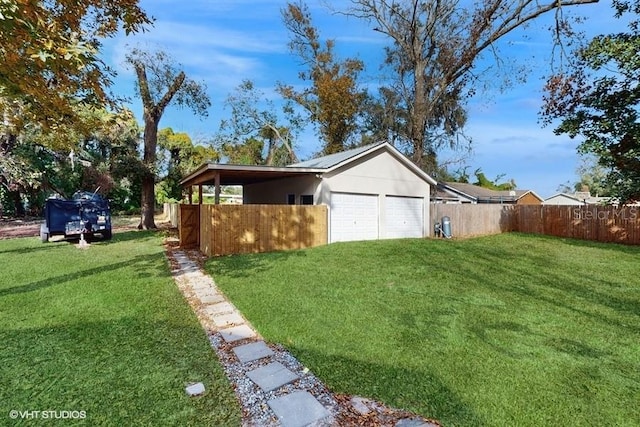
column 291, row 199
column 306, row 199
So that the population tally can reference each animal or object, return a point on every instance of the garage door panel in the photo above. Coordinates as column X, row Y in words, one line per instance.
column 404, row 217
column 354, row 217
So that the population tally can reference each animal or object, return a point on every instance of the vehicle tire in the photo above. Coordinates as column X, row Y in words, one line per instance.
column 106, row 235
column 44, row 233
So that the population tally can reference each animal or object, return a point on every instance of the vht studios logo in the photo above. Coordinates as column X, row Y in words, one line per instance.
column 49, row 414
column 613, row 214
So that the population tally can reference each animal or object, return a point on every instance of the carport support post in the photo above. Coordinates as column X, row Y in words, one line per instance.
column 217, row 185
column 190, row 195
column 200, row 194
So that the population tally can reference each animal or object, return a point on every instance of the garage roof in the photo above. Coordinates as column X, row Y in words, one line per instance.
column 241, row 174
column 245, row 174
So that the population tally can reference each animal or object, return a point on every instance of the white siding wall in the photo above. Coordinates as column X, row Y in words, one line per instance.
column 275, row 192
column 379, row 173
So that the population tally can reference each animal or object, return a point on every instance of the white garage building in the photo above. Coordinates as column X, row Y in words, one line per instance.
column 373, row 192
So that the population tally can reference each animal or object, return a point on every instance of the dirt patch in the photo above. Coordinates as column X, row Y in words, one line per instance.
column 12, row 228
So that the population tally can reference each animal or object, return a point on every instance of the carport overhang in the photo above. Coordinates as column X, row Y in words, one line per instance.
column 218, row 175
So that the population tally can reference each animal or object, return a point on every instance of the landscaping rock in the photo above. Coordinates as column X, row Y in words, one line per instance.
column 195, row 389
column 361, row 405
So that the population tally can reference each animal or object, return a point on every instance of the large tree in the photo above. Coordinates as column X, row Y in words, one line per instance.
column 160, row 81
column 49, row 53
column 435, row 47
column 592, row 178
column 249, row 122
column 598, row 99
column 179, row 156
column 333, row 100
column 44, row 163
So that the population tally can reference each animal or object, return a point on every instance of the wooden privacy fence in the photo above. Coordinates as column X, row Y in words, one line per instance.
column 170, row 212
column 234, row 229
column 189, row 226
column 590, row 222
column 469, row 220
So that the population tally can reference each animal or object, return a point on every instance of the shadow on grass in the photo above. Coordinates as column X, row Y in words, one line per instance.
column 580, row 243
column 144, row 264
column 246, row 265
column 59, row 242
column 124, row 371
column 387, row 382
column 535, row 274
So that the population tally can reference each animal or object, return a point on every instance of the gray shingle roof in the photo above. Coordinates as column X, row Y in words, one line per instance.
column 481, row 193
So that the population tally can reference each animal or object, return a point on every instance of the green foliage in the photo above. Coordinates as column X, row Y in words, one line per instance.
column 106, row 158
column 177, row 156
column 599, row 99
column 248, row 152
column 106, row 331
column 434, row 55
column 483, row 181
column 593, row 177
column 49, row 60
column 160, row 81
column 333, row 101
column 496, row 331
column 249, row 123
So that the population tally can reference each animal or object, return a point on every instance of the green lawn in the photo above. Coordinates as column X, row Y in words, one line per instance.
column 105, row 331
column 507, row 330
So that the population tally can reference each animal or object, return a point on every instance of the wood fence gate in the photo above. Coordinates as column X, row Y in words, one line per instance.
column 189, row 226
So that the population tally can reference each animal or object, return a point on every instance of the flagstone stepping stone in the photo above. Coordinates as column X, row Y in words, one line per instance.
column 413, row 422
column 237, row 333
column 298, row 409
column 201, row 286
column 228, row 319
column 272, row 376
column 210, row 299
column 252, row 351
column 220, row 308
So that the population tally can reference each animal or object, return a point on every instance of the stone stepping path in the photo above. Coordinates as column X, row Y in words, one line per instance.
column 252, row 351
column 272, row 376
column 274, row 389
column 293, row 407
column 300, row 399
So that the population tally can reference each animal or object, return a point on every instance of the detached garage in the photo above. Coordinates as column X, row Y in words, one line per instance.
column 372, row 192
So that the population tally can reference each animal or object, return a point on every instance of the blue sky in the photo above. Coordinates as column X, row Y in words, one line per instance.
column 222, row 42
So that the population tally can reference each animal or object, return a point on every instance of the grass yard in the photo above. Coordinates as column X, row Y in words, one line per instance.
column 506, row 330
column 104, row 331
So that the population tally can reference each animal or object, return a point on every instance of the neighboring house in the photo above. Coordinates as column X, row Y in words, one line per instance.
column 458, row 192
column 575, row 199
column 373, row 192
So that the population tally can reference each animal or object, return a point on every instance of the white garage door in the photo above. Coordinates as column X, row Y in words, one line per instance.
column 353, row 217
column 404, row 217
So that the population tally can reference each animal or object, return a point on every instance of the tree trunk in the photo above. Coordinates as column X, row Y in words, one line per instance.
column 18, row 206
column 420, row 108
column 148, row 204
